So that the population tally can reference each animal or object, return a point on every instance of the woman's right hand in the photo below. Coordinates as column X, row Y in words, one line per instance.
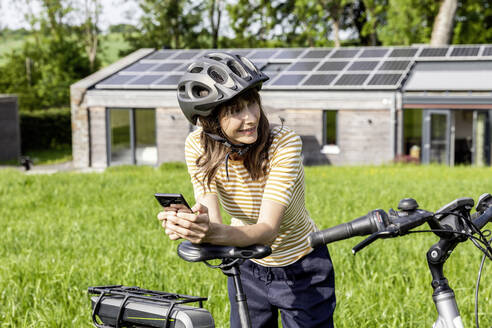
column 171, row 212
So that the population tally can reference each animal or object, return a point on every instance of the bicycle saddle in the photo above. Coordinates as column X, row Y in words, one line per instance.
column 205, row 252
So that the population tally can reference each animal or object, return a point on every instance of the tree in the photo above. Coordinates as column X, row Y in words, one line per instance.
column 408, row 22
column 444, row 23
column 168, row 24
column 375, row 17
column 215, row 9
column 92, row 10
column 43, row 70
column 253, row 22
column 473, row 22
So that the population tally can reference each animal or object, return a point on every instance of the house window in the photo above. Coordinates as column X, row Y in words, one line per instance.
column 330, row 135
column 131, row 136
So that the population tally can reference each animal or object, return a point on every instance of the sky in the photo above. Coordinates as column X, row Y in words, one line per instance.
column 113, row 12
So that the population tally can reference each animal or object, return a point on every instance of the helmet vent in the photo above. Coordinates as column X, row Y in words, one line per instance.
column 217, row 76
column 236, row 69
column 217, row 58
column 199, row 91
column 196, row 69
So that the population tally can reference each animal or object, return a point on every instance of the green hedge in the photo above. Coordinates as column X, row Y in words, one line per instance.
column 45, row 129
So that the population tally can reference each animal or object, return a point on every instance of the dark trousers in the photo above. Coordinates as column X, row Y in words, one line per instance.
column 304, row 292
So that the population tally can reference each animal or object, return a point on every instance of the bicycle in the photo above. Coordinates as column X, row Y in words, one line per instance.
column 118, row 306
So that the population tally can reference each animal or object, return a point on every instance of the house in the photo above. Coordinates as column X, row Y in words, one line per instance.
column 351, row 106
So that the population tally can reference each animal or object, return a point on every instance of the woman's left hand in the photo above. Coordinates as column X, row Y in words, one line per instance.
column 194, row 227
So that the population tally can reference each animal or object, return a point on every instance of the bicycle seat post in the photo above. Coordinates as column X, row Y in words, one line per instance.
column 234, row 272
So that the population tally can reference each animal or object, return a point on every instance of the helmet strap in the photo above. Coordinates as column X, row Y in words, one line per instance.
column 239, row 149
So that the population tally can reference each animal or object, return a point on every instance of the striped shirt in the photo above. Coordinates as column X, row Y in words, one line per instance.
column 241, row 197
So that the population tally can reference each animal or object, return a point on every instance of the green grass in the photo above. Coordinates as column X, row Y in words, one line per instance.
column 111, row 44
column 7, row 45
column 50, row 156
column 64, row 232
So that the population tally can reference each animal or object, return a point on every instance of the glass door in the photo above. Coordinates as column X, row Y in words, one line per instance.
column 436, row 136
column 145, row 137
column 132, row 136
column 120, row 137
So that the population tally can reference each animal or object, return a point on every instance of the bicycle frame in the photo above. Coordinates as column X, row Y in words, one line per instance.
column 443, row 296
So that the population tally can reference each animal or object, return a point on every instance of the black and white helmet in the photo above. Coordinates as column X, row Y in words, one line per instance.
column 214, row 79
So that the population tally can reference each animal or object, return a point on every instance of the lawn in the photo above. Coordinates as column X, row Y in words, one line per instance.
column 111, row 44
column 67, row 231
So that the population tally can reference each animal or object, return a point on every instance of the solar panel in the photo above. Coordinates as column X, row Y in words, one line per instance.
column 394, row 65
column 162, row 54
column 183, row 67
column 487, row 51
column 289, row 79
column 263, row 54
column 333, row 66
column 345, row 53
column 271, row 76
column 166, row 67
column 260, row 64
column 138, row 67
column 363, row 65
column 117, row 79
column 320, row 79
column 316, row 54
column 433, row 52
column 289, row 54
column 170, row 80
column 189, row 54
column 374, row 53
column 403, row 52
column 303, row 66
column 385, row 79
column 241, row 52
column 465, row 51
column 275, row 67
column 146, row 79
column 352, row 79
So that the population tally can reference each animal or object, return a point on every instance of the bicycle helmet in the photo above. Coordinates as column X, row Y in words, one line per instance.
column 214, row 79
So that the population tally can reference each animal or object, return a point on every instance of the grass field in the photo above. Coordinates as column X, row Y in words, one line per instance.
column 64, row 232
column 110, row 43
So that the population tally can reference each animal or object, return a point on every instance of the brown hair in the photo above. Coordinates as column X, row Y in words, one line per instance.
column 256, row 158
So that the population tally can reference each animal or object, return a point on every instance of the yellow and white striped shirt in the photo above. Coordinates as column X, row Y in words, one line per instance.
column 241, row 197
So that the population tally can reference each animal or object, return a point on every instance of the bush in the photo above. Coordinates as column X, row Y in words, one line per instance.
column 45, row 129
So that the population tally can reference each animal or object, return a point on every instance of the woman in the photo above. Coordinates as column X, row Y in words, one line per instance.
column 255, row 172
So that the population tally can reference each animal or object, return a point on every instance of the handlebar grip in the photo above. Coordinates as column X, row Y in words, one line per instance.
column 374, row 221
column 483, row 219
column 339, row 232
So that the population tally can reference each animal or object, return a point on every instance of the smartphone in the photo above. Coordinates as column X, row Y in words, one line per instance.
column 167, row 199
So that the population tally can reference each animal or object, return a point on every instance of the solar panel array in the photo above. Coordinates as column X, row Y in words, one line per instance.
column 301, row 68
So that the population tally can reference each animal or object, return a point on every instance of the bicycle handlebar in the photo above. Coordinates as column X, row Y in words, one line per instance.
column 483, row 219
column 381, row 225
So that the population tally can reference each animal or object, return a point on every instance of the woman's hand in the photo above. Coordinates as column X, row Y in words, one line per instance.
column 194, row 227
column 169, row 212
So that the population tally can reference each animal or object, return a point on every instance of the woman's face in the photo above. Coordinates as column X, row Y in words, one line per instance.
column 240, row 125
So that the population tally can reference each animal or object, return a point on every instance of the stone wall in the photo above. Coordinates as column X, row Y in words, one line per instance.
column 363, row 136
column 98, row 137
column 172, row 130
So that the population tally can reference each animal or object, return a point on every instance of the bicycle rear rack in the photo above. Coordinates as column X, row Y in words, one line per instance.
column 147, row 302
